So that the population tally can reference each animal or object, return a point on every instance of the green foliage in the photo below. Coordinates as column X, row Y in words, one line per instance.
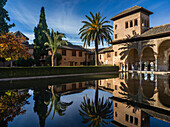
column 4, row 18
column 21, row 62
column 58, row 56
column 96, row 31
column 44, row 71
column 54, row 42
column 40, row 38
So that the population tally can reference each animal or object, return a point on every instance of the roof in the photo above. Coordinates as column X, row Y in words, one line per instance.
column 157, row 30
column 108, row 49
column 152, row 33
column 71, row 47
column 19, row 34
column 131, row 10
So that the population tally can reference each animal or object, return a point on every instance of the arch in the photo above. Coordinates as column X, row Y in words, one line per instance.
column 147, row 58
column 148, row 88
column 133, row 59
column 164, row 56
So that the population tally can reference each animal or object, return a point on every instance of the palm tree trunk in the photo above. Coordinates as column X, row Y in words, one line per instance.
column 56, row 59
column 96, row 93
column 96, row 53
column 52, row 60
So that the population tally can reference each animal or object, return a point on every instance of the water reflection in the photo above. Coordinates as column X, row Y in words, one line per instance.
column 55, row 104
column 11, row 105
column 96, row 112
column 135, row 99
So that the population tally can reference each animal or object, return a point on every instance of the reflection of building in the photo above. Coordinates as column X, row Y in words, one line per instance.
column 70, row 88
column 138, row 46
column 129, row 116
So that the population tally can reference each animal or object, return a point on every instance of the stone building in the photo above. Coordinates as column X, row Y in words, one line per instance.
column 136, row 45
column 74, row 55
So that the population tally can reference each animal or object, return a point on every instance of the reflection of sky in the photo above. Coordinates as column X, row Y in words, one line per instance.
column 72, row 117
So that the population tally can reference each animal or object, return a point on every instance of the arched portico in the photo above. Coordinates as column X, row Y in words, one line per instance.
column 147, row 59
column 133, row 59
column 164, row 56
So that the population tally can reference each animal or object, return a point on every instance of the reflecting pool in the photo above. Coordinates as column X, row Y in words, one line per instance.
column 133, row 100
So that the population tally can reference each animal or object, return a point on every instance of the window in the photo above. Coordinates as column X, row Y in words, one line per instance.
column 126, row 24
column 80, row 85
column 108, row 85
column 80, row 53
column 131, row 23
column 115, row 87
column 63, row 52
column 131, row 119
column 74, row 53
column 100, row 57
column 116, row 114
column 108, row 54
column 115, row 104
column 134, row 32
column 63, row 87
column 115, row 53
column 115, row 27
column 136, row 121
column 115, row 36
column 136, row 22
column 73, row 86
column 127, row 117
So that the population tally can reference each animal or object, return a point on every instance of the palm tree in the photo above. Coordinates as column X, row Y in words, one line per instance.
column 95, row 31
column 96, row 112
column 55, row 41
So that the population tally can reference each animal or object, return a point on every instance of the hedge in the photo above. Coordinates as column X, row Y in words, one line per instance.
column 45, row 71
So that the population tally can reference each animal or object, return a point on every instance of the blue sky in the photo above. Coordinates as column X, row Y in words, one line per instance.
column 66, row 15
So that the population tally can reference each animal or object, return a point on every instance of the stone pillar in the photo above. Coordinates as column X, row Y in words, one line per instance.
column 140, row 64
column 156, row 62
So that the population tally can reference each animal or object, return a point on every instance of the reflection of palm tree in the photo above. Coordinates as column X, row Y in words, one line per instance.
column 42, row 99
column 57, row 105
column 96, row 112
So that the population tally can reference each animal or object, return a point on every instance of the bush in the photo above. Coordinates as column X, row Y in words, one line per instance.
column 21, row 62
column 44, row 71
column 48, row 59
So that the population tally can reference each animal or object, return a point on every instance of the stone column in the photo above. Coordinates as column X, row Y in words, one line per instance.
column 156, row 62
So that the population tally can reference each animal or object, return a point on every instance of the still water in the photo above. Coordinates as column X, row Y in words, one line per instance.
column 128, row 100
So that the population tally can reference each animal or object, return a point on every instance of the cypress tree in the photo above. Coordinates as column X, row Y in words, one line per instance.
column 40, row 38
column 4, row 18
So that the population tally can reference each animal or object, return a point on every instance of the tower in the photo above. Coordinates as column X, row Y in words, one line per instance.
column 131, row 22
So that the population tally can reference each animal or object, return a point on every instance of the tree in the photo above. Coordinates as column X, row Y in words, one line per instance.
column 40, row 38
column 54, row 42
column 95, row 31
column 4, row 18
column 11, row 47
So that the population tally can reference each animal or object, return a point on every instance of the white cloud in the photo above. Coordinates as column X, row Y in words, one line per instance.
column 23, row 15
